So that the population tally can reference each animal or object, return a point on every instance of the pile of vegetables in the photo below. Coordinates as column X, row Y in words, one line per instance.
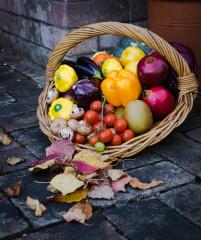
column 108, row 99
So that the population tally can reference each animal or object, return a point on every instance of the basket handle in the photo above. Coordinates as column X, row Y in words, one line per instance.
column 129, row 30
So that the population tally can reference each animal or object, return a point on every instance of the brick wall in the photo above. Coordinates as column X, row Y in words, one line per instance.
column 33, row 27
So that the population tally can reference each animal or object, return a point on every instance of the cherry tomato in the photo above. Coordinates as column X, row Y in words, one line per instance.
column 99, row 126
column 99, row 147
column 96, row 106
column 105, row 136
column 120, row 125
column 93, row 140
column 127, row 135
column 117, row 140
column 91, row 117
column 79, row 138
column 109, row 108
column 110, row 119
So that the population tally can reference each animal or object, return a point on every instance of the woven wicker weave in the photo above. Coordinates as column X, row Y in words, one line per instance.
column 187, row 84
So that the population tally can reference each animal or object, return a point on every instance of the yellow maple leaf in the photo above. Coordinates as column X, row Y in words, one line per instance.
column 76, row 196
column 66, row 183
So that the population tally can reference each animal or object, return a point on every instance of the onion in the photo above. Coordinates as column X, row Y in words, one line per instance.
column 188, row 54
column 160, row 100
column 152, row 70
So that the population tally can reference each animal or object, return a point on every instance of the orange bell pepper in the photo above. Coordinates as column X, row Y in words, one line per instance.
column 121, row 87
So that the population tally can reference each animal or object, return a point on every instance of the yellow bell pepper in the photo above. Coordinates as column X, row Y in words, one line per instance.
column 60, row 108
column 65, row 77
column 120, row 87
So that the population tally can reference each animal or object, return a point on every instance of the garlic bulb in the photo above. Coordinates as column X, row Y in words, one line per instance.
column 52, row 95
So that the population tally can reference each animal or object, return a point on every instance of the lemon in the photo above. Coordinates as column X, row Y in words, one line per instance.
column 131, row 54
column 132, row 66
column 110, row 65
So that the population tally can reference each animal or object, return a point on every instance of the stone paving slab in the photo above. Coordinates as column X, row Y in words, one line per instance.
column 19, row 122
column 33, row 139
column 195, row 135
column 28, row 68
column 9, row 147
column 182, row 151
column 10, row 222
column 22, row 88
column 17, row 108
column 34, row 190
column 96, row 228
column 151, row 220
column 143, row 158
column 8, row 57
column 5, row 98
column 192, row 122
column 186, row 200
column 17, row 152
column 172, row 176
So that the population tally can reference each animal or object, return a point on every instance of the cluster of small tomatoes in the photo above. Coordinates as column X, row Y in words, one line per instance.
column 107, row 127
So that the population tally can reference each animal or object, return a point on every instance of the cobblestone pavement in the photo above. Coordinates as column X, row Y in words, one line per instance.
column 171, row 211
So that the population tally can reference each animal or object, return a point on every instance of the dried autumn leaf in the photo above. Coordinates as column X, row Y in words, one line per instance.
column 136, row 183
column 69, row 170
column 93, row 159
column 90, row 176
column 35, row 205
column 48, row 162
column 101, row 191
column 4, row 139
column 66, row 183
column 79, row 212
column 14, row 190
column 13, row 160
column 76, row 196
column 120, row 184
column 115, row 174
column 63, row 147
column 51, row 189
column 83, row 167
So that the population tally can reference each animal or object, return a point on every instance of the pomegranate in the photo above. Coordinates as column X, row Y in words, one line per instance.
column 152, row 70
column 160, row 100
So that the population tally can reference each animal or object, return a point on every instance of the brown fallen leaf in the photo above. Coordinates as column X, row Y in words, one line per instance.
column 35, row 205
column 93, row 159
column 115, row 174
column 48, row 162
column 13, row 160
column 79, row 212
column 101, row 191
column 120, row 184
column 76, row 196
column 5, row 139
column 136, row 183
column 66, row 183
column 14, row 190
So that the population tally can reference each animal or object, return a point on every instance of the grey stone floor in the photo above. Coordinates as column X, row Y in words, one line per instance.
column 169, row 212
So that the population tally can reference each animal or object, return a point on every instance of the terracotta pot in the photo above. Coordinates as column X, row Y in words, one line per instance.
column 178, row 20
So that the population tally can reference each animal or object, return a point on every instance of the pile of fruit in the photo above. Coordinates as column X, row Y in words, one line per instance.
column 108, row 100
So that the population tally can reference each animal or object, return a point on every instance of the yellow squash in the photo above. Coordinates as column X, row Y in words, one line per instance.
column 65, row 77
column 61, row 108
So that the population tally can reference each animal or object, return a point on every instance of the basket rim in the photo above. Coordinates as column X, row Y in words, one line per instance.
column 187, row 83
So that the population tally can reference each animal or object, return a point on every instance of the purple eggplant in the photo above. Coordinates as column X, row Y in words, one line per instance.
column 86, row 67
column 85, row 91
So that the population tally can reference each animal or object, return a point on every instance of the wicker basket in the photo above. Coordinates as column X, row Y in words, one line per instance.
column 187, row 84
